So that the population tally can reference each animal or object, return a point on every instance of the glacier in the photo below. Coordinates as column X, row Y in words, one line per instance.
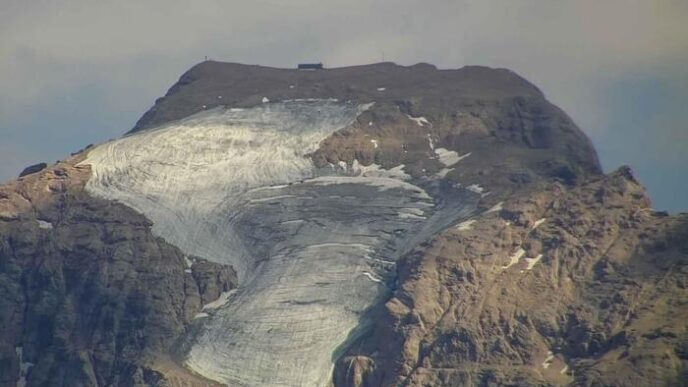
column 314, row 247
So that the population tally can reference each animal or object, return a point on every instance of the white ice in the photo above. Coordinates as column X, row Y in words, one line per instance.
column 381, row 89
column 374, row 143
column 265, row 100
column 238, row 187
column 180, row 175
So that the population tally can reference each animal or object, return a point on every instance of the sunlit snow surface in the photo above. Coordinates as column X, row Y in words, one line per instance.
column 315, row 248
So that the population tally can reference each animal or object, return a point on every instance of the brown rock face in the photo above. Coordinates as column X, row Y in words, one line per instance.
column 89, row 296
column 597, row 297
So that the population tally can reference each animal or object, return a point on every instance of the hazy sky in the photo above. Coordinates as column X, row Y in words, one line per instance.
column 80, row 72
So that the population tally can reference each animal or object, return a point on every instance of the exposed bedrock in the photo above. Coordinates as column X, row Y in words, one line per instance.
column 88, row 295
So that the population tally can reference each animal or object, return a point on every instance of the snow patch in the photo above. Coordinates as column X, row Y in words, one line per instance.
column 382, row 261
column 382, row 183
column 44, row 225
column 201, row 315
column 372, row 277
column 337, row 244
column 449, row 158
column 374, row 143
column 513, row 259
column 497, row 207
column 548, row 360
column 381, row 89
column 375, row 170
column 294, row 221
column 270, row 198
column 466, row 225
column 221, row 301
column 430, row 142
column 538, row 222
column 24, row 367
column 421, row 121
column 265, row 100
column 475, row 188
column 533, row 261
column 411, row 213
column 443, row 172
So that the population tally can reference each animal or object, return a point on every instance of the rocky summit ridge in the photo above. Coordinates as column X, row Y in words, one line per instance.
column 375, row 225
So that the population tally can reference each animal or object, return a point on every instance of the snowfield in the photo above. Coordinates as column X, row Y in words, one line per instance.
column 314, row 247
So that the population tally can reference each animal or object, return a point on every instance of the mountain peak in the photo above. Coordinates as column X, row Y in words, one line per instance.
column 213, row 83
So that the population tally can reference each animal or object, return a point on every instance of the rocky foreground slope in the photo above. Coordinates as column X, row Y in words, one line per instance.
column 374, row 225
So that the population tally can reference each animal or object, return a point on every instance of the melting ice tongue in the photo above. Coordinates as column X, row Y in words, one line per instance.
column 312, row 251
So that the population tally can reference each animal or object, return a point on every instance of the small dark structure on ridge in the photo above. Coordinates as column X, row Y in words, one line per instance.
column 310, row 66
column 33, row 169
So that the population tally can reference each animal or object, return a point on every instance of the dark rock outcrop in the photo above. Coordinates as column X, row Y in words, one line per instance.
column 33, row 169
column 89, row 296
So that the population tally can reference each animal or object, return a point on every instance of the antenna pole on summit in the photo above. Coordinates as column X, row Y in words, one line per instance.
column 206, row 58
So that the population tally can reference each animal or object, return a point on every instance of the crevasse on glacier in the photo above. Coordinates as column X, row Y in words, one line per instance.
column 313, row 247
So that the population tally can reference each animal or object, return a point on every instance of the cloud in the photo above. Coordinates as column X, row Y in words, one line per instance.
column 104, row 63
